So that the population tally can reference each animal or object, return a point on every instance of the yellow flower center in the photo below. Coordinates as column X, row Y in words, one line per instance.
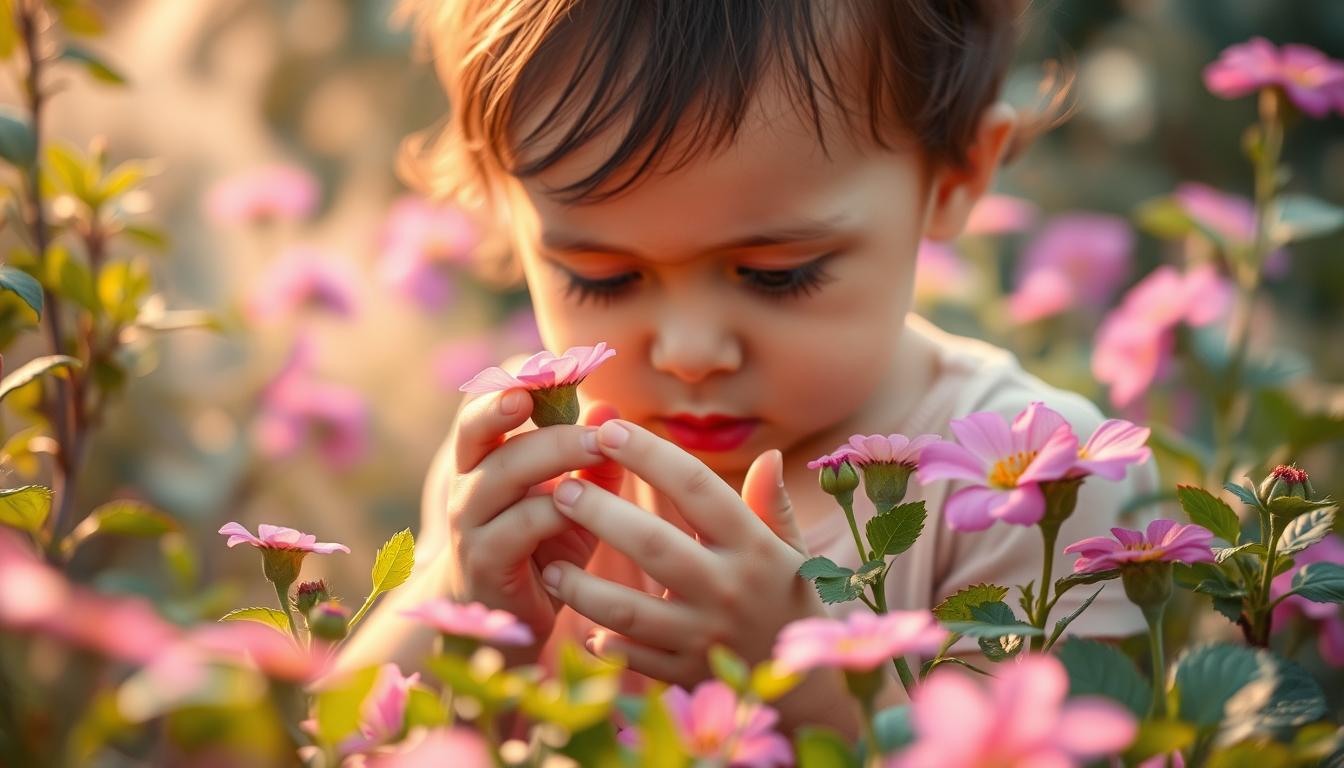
column 1007, row 471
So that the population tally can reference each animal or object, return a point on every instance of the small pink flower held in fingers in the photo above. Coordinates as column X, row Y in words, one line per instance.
column 551, row 380
column 1164, row 541
column 860, row 642
column 707, row 723
column 1022, row 720
column 1005, row 463
column 468, row 624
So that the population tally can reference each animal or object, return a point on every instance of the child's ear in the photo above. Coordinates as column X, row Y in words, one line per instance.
column 955, row 190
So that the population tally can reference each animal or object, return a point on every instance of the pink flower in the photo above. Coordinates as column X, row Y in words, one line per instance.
column 1329, row 621
column 1090, row 252
column 1135, row 342
column 278, row 537
column 296, row 405
column 303, row 276
column 1005, row 463
column 422, row 245
column 1229, row 217
column 1114, row 445
column 1311, row 80
column 1000, row 214
column 1021, row 721
column 859, row 642
column 262, row 194
column 941, row 274
column 706, row 722
column 472, row 620
column 1041, row 294
column 543, row 370
column 382, row 715
column 1165, row 541
column 458, row 747
column 39, row 600
column 888, row 449
column 833, row 459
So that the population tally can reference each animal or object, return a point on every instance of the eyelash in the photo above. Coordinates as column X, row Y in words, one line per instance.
column 803, row 280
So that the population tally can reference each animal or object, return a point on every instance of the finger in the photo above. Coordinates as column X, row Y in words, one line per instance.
column 512, row 535
column 660, row 548
column 763, row 491
column 650, row 662
column 509, row 472
column 638, row 615
column 709, row 504
column 609, row 475
column 483, row 421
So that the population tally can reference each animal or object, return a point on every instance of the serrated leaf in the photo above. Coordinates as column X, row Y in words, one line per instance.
column 1320, row 582
column 394, row 562
column 1242, row 691
column 1100, row 669
column 958, row 606
column 1247, row 495
column 1290, row 507
column 269, row 616
column 894, row 531
column 1220, row 589
column 822, row 567
column 992, row 620
column 840, row 589
column 1203, row 508
column 23, row 285
column 18, row 146
column 25, row 508
column 1307, row 529
column 34, row 368
column 1223, row 553
column 1078, row 579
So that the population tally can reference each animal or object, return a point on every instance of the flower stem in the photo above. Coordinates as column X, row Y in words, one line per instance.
column 870, row 734
column 1264, row 610
column 1049, row 532
column 1153, row 615
column 282, row 592
column 902, row 666
column 848, row 506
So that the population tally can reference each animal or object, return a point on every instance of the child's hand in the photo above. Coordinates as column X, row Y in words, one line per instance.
column 500, row 526
column 737, row 585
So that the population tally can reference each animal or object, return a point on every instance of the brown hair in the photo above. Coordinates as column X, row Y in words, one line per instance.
column 929, row 67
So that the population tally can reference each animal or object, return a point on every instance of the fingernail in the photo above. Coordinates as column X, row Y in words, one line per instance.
column 589, row 441
column 568, row 492
column 511, row 403
column 551, row 576
column 591, row 644
column 779, row 468
column 613, row 434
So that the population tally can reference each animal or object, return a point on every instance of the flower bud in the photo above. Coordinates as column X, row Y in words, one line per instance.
column 310, row 593
column 555, row 405
column 1061, row 496
column 885, row 483
column 839, row 480
column 1148, row 583
column 281, row 566
column 1285, row 480
column 329, row 620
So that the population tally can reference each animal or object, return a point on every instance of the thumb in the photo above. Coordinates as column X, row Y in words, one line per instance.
column 763, row 491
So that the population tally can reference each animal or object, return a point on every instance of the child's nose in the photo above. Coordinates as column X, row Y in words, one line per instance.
column 692, row 347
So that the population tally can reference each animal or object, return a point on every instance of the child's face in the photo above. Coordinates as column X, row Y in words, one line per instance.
column 788, row 339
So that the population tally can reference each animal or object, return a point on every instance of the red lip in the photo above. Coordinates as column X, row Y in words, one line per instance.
column 712, row 432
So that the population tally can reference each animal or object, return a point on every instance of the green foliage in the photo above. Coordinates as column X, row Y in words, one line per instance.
column 958, row 606
column 1236, row 689
column 32, row 369
column 18, row 146
column 1203, row 508
column 894, row 531
column 336, row 706
column 822, row 748
column 1100, row 669
column 25, row 508
column 992, row 620
column 269, row 616
column 1320, row 582
column 1307, row 529
column 23, row 285
column 96, row 67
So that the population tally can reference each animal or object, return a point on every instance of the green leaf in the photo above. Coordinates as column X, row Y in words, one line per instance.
column 1159, row 737
column 25, row 508
column 768, row 683
column 394, row 562
column 34, row 368
column 96, row 67
column 822, row 748
column 121, row 286
column 269, row 616
column 1003, row 647
column 1064, row 623
column 1221, row 554
column 1078, row 579
column 123, row 517
column 1164, row 218
column 1218, row 588
column 839, row 589
column 893, row 728
column 18, row 146
column 23, row 285
column 660, row 742
column 336, row 707
column 958, row 606
column 992, row 620
column 67, row 171
column 1251, row 754
column 1301, row 217
column 70, row 278
column 1165, row 440
column 822, row 567
column 729, row 667
column 1100, row 669
column 147, row 235
column 1246, row 494
column 1307, row 529
column 1208, row 678
column 1203, row 508
column 424, row 708
column 894, row 531
column 1292, row 506
column 1320, row 582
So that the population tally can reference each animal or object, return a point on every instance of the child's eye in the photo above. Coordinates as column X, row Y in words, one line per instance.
column 601, row 290
column 802, row 280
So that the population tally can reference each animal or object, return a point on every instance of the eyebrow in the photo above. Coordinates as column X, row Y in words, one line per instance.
column 801, row 231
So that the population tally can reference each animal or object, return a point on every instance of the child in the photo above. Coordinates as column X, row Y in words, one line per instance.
column 731, row 195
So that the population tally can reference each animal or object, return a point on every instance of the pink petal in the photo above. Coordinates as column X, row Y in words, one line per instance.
column 1093, row 726
column 986, row 435
column 969, row 508
column 1024, row 505
column 949, row 461
column 1056, row 457
column 492, row 379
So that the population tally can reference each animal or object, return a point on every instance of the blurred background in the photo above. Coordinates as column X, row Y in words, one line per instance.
column 324, row 413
